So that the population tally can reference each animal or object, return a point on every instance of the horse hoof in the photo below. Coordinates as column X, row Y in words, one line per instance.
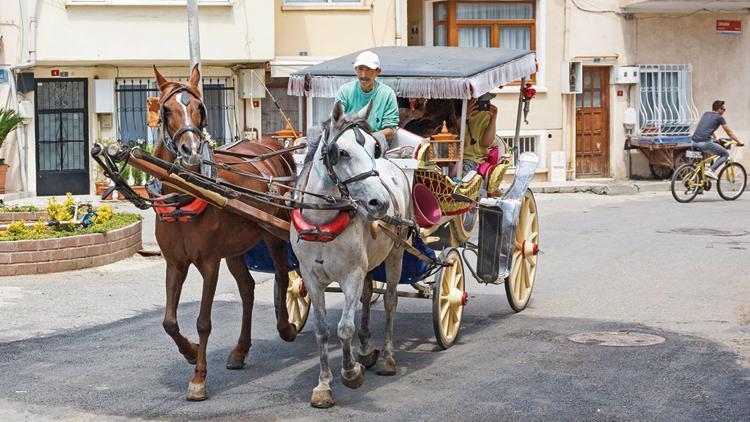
column 192, row 357
column 369, row 360
column 354, row 377
column 387, row 366
column 197, row 392
column 322, row 398
column 236, row 360
column 289, row 334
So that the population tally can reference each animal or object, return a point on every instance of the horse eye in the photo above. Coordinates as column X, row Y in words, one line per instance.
column 343, row 153
column 164, row 111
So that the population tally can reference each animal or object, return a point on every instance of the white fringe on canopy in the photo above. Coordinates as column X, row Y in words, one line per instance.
column 424, row 87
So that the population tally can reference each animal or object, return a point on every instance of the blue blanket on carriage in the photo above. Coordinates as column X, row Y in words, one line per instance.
column 413, row 270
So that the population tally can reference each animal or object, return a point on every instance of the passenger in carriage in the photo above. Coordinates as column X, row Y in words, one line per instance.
column 436, row 111
column 480, row 132
column 356, row 94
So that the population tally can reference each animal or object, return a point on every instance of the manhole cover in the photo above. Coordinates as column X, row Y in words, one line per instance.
column 616, row 338
column 699, row 231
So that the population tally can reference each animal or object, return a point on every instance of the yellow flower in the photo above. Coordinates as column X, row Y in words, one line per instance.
column 103, row 214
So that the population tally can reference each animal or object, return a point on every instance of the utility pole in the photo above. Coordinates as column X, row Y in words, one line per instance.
column 194, row 37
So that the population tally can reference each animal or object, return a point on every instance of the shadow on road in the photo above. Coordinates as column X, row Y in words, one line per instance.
column 506, row 366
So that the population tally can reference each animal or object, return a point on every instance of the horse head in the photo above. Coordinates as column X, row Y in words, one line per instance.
column 183, row 118
column 348, row 151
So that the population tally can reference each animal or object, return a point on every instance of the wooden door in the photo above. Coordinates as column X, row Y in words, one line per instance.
column 592, row 124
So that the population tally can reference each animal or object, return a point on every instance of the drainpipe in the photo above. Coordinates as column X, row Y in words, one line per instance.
column 398, row 23
column 23, row 151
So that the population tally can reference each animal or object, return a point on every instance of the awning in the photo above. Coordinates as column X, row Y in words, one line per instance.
column 423, row 72
column 283, row 66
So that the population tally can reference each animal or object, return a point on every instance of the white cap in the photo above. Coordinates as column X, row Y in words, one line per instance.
column 369, row 59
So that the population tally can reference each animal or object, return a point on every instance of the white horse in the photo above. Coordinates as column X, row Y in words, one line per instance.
column 342, row 164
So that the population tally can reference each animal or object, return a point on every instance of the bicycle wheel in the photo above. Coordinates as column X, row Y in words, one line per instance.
column 685, row 183
column 732, row 181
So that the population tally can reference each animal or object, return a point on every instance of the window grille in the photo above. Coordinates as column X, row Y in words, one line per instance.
column 665, row 100
column 218, row 97
column 525, row 144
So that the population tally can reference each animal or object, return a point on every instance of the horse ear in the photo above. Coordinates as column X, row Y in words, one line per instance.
column 160, row 80
column 363, row 114
column 337, row 114
column 195, row 76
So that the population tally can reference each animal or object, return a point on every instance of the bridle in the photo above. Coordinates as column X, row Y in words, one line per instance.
column 168, row 140
column 331, row 154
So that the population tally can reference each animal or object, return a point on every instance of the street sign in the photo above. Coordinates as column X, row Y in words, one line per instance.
column 728, row 26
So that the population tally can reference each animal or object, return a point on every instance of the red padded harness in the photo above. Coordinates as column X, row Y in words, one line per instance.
column 324, row 233
column 184, row 214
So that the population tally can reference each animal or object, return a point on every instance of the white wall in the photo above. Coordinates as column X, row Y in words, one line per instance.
column 241, row 32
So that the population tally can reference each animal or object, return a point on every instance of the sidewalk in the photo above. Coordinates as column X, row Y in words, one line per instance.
column 602, row 186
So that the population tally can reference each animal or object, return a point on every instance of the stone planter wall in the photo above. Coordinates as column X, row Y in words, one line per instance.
column 29, row 217
column 69, row 253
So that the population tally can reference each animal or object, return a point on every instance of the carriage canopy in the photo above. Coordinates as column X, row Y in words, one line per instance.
column 423, row 72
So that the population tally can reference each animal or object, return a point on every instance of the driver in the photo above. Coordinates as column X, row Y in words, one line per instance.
column 355, row 95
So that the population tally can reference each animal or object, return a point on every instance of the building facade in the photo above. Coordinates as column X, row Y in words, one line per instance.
column 608, row 70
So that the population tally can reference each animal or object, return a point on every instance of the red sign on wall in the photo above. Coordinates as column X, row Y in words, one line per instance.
column 727, row 26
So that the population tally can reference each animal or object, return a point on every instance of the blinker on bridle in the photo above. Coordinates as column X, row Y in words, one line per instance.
column 331, row 155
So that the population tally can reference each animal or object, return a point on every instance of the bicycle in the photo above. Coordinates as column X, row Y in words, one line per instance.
column 690, row 179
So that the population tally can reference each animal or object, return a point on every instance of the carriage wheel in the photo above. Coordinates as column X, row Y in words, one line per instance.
column 376, row 285
column 448, row 299
column 297, row 301
column 520, row 282
column 463, row 225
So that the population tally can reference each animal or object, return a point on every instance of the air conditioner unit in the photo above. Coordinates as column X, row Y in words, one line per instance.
column 104, row 96
column 572, row 77
column 626, row 75
column 250, row 83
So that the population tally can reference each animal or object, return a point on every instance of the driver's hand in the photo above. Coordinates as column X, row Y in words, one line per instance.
column 740, row 144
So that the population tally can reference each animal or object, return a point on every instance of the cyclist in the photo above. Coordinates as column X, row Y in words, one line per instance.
column 704, row 138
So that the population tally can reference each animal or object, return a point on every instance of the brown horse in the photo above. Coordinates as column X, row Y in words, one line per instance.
column 214, row 234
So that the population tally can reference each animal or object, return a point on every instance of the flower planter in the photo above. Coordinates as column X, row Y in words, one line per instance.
column 141, row 190
column 69, row 253
column 101, row 187
column 28, row 216
column 3, row 171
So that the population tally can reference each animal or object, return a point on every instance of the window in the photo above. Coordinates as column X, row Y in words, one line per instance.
column 272, row 120
column 322, row 2
column 484, row 24
column 529, row 141
column 665, row 100
column 218, row 97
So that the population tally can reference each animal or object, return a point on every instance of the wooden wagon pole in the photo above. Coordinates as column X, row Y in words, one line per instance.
column 277, row 226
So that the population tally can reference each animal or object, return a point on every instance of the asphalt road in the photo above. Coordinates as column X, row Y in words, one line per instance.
column 89, row 344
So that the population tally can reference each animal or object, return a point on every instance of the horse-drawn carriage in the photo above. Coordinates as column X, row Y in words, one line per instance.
column 435, row 224
column 446, row 205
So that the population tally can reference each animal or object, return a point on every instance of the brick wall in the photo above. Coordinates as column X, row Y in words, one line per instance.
column 9, row 217
column 69, row 253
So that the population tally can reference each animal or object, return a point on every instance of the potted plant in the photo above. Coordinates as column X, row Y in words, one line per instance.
column 9, row 120
column 139, row 178
column 102, row 183
column 125, row 174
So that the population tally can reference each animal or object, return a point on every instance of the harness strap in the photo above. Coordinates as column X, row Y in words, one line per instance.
column 409, row 248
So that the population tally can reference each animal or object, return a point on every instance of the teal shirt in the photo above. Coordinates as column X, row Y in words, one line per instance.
column 384, row 112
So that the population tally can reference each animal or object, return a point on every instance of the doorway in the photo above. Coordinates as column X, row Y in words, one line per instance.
column 592, row 124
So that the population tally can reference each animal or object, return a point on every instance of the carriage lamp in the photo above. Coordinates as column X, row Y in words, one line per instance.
column 445, row 147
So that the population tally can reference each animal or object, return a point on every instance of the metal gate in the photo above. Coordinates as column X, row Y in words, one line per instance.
column 62, row 138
